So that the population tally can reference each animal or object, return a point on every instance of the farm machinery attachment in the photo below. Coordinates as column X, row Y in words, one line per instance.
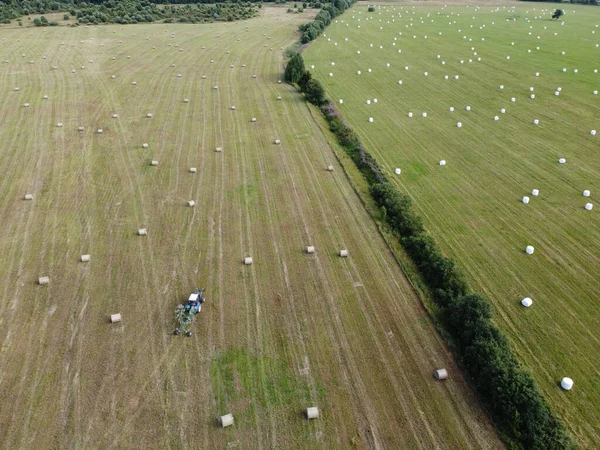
column 185, row 313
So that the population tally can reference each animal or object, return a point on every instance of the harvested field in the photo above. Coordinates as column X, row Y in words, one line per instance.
column 290, row 331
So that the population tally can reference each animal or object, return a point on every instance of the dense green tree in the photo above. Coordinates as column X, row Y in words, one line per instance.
column 315, row 92
column 294, row 69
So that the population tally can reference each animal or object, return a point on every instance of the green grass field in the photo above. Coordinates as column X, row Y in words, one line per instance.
column 288, row 332
column 472, row 205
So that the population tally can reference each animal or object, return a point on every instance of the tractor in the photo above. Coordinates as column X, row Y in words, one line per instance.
column 185, row 313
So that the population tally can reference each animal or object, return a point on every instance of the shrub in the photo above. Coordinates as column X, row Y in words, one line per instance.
column 314, row 92
column 371, row 9
column 66, row 17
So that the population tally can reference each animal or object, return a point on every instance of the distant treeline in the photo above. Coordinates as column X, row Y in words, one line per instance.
column 506, row 389
column 128, row 11
column 312, row 29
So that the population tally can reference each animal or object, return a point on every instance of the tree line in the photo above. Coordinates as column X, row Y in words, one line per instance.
column 127, row 11
column 506, row 389
column 312, row 29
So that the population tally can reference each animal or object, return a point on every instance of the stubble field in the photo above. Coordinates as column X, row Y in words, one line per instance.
column 290, row 331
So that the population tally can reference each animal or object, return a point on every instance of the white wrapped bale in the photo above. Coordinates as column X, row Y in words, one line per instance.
column 44, row 280
column 312, row 413
column 535, row 192
column 344, row 253
column 226, row 420
column 154, row 163
column 529, row 250
column 330, row 168
column 566, row 383
column 219, row 149
column 81, row 129
column 115, row 318
column 145, row 145
column 309, row 249
column 248, row 260
column 191, row 203
column 254, row 119
column 562, row 161
column 442, row 162
column 85, row 258
column 398, row 171
column 440, row 374
column 149, row 115
column 525, row 200
column 28, row 197
column 100, row 131
column 526, row 302
column 277, row 141
column 142, row 232
column 192, row 170
column 586, row 193
column 589, row 206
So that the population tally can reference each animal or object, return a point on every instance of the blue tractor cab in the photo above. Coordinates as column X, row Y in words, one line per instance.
column 186, row 312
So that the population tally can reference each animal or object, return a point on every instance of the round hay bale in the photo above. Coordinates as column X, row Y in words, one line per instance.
column 459, row 124
column 149, row 115
column 154, row 163
column 525, row 200
column 192, row 170
column 589, row 206
column 277, row 141
column 586, row 193
column 330, row 168
column 562, row 161
column 309, row 249
column 142, row 232
column 233, row 108
column 59, row 124
column 253, row 119
column 248, row 260
column 566, row 383
column 443, row 162
column 100, row 131
column 44, row 280
column 186, row 100
column 312, row 413
column 529, row 250
column 536, row 121
column 398, row 171
column 440, row 374
column 219, row 149
column 145, row 145
column 535, row 192
column 115, row 318
column 85, row 258
column 191, row 203
column 593, row 132
column 344, row 253
column 526, row 302
column 451, row 109
column 226, row 420
column 28, row 196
